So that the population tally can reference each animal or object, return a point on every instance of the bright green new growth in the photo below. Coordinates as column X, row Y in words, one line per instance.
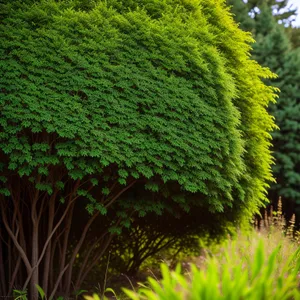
column 273, row 48
column 163, row 90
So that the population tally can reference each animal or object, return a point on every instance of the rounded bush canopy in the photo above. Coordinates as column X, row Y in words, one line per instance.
column 158, row 89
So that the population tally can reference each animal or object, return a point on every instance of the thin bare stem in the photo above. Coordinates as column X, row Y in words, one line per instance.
column 15, row 241
column 58, row 281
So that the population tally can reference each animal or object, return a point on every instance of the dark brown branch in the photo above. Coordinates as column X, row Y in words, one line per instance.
column 96, row 259
column 34, row 274
column 15, row 241
column 46, row 244
column 58, row 281
column 48, row 251
column 114, row 198
column 14, row 275
column 16, row 201
column 80, row 242
column 68, row 228
column 2, row 274
column 51, row 273
column 76, row 250
column 86, row 258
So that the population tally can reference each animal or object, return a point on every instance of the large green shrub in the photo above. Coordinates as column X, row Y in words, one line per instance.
column 99, row 96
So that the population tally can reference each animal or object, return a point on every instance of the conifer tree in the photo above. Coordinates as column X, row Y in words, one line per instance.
column 241, row 14
column 273, row 49
column 294, row 35
column 277, row 47
column 282, row 10
column 246, row 12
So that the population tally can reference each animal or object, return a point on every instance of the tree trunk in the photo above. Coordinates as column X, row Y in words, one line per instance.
column 36, row 246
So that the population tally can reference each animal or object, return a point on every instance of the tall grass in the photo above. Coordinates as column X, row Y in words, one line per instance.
column 259, row 265
column 244, row 269
column 251, row 267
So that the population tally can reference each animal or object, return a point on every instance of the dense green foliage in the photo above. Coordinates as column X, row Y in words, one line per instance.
column 98, row 96
column 246, row 12
column 71, row 77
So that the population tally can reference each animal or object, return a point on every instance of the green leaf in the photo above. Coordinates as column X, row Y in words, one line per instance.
column 41, row 291
column 94, row 181
column 105, row 191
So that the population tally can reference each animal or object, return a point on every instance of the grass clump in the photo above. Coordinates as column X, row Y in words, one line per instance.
column 247, row 268
column 261, row 264
column 254, row 266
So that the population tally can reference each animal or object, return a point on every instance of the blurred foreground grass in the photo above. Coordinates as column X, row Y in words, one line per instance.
column 262, row 264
